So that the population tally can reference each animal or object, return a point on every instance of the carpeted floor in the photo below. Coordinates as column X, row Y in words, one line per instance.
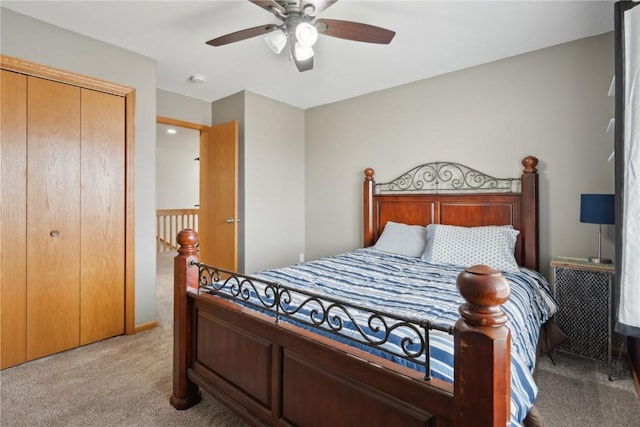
column 126, row 381
column 576, row 393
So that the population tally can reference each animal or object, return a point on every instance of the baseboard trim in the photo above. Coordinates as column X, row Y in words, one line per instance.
column 145, row 327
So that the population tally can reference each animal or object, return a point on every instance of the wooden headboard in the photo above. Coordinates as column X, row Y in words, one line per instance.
column 454, row 194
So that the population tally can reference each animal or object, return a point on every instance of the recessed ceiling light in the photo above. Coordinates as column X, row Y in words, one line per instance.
column 171, row 131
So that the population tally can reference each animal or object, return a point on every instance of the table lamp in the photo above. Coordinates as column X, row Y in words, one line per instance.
column 598, row 209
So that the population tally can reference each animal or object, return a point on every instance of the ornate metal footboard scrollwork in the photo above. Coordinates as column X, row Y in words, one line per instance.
column 447, row 177
column 356, row 324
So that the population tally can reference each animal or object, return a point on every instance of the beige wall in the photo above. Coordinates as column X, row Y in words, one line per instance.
column 36, row 41
column 181, row 107
column 551, row 103
column 274, row 175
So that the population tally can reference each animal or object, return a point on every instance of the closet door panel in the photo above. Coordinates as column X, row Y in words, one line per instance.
column 102, row 216
column 13, row 219
column 53, row 217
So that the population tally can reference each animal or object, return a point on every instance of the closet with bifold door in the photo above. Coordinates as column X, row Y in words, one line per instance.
column 62, row 216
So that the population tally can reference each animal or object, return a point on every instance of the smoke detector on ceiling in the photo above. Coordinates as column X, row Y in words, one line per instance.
column 198, row 78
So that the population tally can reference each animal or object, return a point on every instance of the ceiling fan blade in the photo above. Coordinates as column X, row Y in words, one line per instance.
column 319, row 5
column 304, row 65
column 268, row 5
column 354, row 31
column 242, row 35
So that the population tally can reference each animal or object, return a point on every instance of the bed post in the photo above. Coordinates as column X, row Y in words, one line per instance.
column 529, row 206
column 185, row 393
column 369, row 220
column 482, row 353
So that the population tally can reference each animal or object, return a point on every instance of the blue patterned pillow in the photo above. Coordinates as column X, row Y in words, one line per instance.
column 466, row 246
column 402, row 239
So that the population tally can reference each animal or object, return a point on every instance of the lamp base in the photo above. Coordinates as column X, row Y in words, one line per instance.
column 596, row 260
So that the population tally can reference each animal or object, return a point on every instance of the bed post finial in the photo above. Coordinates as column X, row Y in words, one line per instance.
column 482, row 364
column 484, row 289
column 185, row 278
column 368, row 174
column 530, row 163
column 187, row 242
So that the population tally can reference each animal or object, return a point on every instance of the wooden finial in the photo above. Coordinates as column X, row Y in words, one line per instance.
column 187, row 241
column 484, row 289
column 530, row 163
column 368, row 174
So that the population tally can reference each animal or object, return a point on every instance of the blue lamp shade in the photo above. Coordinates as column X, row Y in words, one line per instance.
column 597, row 208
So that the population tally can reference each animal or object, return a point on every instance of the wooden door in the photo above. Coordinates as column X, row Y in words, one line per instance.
column 13, row 219
column 218, row 222
column 53, row 217
column 102, row 216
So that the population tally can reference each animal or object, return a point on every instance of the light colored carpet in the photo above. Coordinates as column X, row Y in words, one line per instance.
column 576, row 393
column 126, row 381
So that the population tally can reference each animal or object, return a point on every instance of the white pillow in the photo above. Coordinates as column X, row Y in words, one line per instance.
column 466, row 246
column 402, row 239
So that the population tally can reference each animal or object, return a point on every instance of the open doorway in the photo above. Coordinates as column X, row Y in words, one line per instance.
column 177, row 182
column 206, row 158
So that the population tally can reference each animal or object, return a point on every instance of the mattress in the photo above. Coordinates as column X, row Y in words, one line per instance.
column 409, row 288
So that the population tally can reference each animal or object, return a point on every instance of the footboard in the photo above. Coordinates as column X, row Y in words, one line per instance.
column 277, row 373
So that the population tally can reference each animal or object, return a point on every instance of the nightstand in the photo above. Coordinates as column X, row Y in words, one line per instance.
column 583, row 291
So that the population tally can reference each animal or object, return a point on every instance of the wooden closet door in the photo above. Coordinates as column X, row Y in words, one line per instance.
column 53, row 217
column 13, row 215
column 102, row 216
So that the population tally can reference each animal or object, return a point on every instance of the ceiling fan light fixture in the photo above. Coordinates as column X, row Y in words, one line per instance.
column 302, row 53
column 276, row 40
column 306, row 34
column 299, row 30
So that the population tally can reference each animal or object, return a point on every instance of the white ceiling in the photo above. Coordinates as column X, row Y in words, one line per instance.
column 432, row 38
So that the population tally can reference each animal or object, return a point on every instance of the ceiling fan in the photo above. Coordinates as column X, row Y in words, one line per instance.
column 301, row 28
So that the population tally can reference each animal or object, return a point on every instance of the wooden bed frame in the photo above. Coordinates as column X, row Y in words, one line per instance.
column 278, row 374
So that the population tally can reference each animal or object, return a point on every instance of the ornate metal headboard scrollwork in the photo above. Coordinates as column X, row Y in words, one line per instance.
column 447, row 177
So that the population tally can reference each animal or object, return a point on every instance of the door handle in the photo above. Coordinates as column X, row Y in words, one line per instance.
column 54, row 233
column 230, row 220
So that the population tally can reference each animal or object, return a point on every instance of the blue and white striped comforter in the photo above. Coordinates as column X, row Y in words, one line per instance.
column 413, row 288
